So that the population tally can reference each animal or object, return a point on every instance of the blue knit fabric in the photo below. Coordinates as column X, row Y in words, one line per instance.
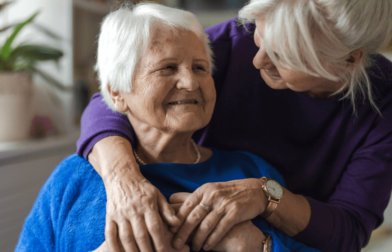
column 69, row 213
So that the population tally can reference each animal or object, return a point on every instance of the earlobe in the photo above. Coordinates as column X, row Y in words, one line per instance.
column 118, row 100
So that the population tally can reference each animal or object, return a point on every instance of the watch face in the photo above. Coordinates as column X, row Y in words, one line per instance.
column 274, row 189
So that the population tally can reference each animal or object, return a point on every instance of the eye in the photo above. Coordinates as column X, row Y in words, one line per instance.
column 200, row 68
column 169, row 67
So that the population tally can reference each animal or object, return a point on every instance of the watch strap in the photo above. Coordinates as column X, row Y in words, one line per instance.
column 272, row 205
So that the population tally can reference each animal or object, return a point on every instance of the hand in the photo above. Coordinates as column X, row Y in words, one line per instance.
column 230, row 203
column 168, row 236
column 134, row 206
column 243, row 237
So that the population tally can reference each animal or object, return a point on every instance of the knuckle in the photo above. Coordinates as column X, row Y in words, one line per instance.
column 189, row 203
column 206, row 226
column 126, row 238
column 155, row 228
column 140, row 235
column 195, row 217
column 161, row 248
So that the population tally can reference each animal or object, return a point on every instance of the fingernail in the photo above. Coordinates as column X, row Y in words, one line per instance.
column 195, row 248
column 206, row 247
column 178, row 243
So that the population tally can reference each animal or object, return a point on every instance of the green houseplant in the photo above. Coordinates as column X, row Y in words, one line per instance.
column 17, row 65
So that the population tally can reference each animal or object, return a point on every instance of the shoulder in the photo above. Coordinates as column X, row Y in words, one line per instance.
column 380, row 74
column 64, row 185
column 229, row 30
column 51, row 207
column 248, row 161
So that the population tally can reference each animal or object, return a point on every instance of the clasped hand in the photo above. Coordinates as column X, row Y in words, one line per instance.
column 132, row 220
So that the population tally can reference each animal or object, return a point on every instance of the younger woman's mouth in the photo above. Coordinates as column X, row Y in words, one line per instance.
column 273, row 74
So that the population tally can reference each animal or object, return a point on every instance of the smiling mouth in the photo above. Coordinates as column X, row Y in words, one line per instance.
column 273, row 75
column 185, row 102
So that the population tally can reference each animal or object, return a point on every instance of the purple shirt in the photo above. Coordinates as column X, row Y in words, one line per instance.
column 341, row 162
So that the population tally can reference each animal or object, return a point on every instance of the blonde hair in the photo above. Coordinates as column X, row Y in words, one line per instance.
column 322, row 34
column 124, row 37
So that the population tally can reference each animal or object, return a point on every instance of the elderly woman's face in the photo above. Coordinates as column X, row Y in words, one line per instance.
column 173, row 89
column 279, row 78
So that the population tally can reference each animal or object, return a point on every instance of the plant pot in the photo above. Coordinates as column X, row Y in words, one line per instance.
column 16, row 92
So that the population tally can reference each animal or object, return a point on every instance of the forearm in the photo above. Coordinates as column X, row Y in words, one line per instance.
column 111, row 155
column 292, row 215
column 333, row 228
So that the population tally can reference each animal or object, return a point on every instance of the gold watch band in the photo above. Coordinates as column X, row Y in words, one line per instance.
column 272, row 205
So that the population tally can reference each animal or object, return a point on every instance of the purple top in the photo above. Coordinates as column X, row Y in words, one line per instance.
column 342, row 163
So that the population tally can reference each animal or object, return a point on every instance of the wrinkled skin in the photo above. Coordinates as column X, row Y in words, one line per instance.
column 231, row 203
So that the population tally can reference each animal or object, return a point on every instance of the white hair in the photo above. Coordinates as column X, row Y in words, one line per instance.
column 321, row 34
column 124, row 37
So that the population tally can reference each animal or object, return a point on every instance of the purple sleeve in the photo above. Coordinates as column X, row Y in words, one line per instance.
column 99, row 121
column 346, row 221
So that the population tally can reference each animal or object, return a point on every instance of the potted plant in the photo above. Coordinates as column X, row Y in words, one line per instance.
column 17, row 65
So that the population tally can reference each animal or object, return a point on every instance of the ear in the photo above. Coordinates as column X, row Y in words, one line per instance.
column 118, row 100
column 354, row 58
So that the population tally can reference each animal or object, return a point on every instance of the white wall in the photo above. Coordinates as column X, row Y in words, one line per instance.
column 55, row 15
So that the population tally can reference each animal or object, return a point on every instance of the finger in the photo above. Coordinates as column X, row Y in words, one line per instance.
column 119, row 245
column 185, row 249
column 179, row 197
column 156, row 229
column 224, row 225
column 176, row 207
column 140, row 233
column 191, row 222
column 126, row 237
column 205, row 228
column 189, row 204
column 111, row 236
column 167, row 212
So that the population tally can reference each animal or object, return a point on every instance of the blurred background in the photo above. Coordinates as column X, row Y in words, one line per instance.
column 40, row 118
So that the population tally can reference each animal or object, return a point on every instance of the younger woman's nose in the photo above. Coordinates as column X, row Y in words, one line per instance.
column 262, row 60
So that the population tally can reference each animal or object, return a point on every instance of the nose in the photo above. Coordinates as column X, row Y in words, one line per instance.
column 188, row 80
column 262, row 60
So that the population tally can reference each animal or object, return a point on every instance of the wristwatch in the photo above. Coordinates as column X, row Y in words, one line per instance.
column 267, row 244
column 274, row 192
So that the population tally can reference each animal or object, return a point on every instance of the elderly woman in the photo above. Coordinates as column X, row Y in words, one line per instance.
column 321, row 114
column 163, row 84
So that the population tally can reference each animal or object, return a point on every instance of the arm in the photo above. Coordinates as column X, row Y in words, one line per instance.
column 104, row 130
column 343, row 223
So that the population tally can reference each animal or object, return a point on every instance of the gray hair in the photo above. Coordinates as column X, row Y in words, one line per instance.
column 322, row 33
column 124, row 37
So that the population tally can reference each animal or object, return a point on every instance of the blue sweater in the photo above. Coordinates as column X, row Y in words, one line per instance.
column 69, row 213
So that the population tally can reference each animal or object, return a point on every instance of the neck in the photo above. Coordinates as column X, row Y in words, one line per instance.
column 155, row 146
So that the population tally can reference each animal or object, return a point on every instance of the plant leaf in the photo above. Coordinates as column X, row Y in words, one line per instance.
column 36, row 52
column 6, row 49
column 51, row 80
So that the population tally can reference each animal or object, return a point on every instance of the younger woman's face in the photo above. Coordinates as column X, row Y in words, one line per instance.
column 278, row 78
